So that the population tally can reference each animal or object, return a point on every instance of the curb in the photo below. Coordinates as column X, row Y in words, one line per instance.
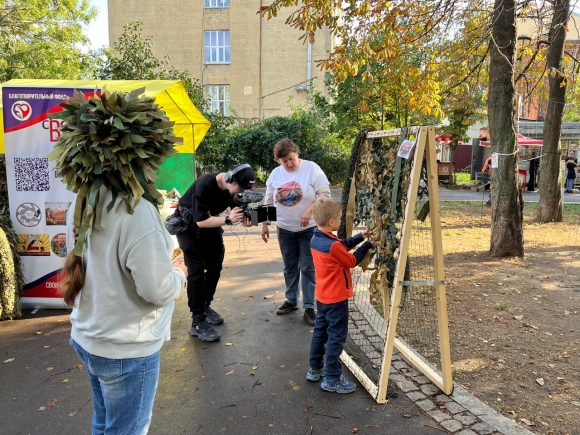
column 461, row 413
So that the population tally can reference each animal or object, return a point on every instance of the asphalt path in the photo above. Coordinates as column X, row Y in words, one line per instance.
column 250, row 382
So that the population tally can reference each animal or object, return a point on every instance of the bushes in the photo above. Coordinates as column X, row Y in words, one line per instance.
column 11, row 279
column 254, row 144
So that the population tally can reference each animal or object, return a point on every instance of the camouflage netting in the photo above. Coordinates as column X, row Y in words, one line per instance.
column 381, row 183
column 11, row 278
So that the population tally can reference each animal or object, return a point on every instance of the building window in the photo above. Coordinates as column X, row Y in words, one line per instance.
column 217, row 46
column 216, row 3
column 218, row 97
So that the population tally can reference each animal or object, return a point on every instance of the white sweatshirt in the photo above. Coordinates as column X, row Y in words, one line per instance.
column 125, row 307
column 293, row 192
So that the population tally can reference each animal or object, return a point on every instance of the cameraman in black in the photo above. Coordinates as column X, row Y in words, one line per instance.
column 203, row 245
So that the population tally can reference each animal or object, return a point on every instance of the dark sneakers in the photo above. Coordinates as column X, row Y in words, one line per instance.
column 310, row 315
column 314, row 375
column 212, row 316
column 201, row 329
column 286, row 308
column 341, row 386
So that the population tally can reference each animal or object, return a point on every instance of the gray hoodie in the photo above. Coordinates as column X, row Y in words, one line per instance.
column 125, row 307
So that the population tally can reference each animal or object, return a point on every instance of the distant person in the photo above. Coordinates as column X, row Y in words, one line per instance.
column 333, row 289
column 292, row 188
column 203, row 244
column 486, row 169
column 571, row 164
column 533, row 169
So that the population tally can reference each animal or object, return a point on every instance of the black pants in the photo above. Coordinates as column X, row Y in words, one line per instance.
column 203, row 257
column 532, row 183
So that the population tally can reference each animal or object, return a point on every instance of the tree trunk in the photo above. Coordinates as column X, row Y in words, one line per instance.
column 550, row 207
column 506, row 193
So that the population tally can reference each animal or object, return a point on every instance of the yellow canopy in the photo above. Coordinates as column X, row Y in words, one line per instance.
column 171, row 96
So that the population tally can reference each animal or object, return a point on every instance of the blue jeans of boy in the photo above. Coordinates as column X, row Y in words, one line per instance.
column 569, row 183
column 123, row 392
column 298, row 265
column 331, row 329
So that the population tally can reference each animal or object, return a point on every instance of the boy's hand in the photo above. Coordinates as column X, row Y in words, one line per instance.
column 367, row 234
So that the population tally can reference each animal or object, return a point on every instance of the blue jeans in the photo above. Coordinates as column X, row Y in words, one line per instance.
column 298, row 265
column 123, row 392
column 331, row 329
column 569, row 183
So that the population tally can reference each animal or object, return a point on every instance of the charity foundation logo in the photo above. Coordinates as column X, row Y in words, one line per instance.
column 21, row 110
column 28, row 214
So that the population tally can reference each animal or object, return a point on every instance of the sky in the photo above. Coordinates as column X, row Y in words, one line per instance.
column 98, row 30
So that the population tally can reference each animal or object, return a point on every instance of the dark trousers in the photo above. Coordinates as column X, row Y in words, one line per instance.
column 532, row 183
column 331, row 329
column 203, row 258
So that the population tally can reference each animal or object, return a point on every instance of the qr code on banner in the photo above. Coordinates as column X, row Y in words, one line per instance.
column 31, row 174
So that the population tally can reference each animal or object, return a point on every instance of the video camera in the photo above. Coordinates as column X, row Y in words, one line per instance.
column 258, row 213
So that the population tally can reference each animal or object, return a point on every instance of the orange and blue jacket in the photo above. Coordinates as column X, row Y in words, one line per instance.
column 333, row 262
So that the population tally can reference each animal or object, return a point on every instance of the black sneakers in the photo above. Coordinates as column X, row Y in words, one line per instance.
column 310, row 315
column 201, row 329
column 286, row 308
column 212, row 316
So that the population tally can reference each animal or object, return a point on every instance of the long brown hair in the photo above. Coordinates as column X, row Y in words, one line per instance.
column 71, row 278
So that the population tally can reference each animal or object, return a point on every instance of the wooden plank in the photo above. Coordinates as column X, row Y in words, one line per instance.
column 419, row 364
column 392, row 132
column 361, row 376
column 439, row 272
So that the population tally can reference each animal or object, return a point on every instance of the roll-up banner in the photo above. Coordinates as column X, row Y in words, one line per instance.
column 38, row 200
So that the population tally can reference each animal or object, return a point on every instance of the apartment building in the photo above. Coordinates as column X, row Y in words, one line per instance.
column 250, row 67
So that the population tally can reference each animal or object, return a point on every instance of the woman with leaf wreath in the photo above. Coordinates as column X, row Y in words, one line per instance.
column 118, row 275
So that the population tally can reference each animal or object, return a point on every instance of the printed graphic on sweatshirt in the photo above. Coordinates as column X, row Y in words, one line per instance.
column 289, row 194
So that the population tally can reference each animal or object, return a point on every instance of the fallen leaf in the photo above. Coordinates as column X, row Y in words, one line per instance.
column 64, row 381
column 282, row 366
column 180, row 369
column 268, row 296
column 294, row 386
column 376, row 426
column 527, row 422
column 231, row 372
column 407, row 415
column 42, row 408
column 183, row 349
column 52, row 403
column 540, row 381
column 254, row 367
column 49, row 369
column 39, row 332
column 229, row 344
column 575, row 403
column 354, row 430
column 9, row 360
column 270, row 425
column 518, row 317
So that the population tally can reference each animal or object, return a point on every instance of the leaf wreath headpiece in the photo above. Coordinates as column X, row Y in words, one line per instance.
column 114, row 142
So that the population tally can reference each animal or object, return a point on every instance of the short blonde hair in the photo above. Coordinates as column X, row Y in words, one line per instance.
column 326, row 209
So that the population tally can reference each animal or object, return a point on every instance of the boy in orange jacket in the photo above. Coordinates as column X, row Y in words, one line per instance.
column 332, row 263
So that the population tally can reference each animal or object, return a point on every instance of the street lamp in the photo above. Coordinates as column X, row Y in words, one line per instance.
column 522, row 42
